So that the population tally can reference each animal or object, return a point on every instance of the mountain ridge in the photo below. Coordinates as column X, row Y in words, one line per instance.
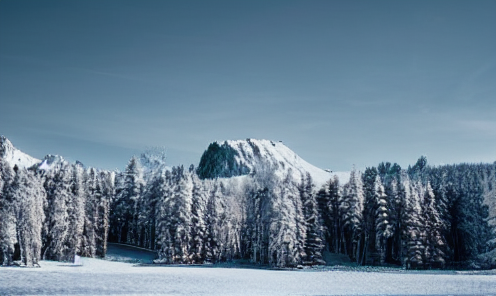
column 241, row 157
column 248, row 155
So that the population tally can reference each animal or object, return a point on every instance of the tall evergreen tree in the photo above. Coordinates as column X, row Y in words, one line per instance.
column 414, row 231
column 176, row 220
column 76, row 213
column 29, row 195
column 314, row 239
column 383, row 228
column 351, row 209
column 92, row 193
column 8, row 237
column 125, row 208
column 369, row 178
column 60, row 196
column 198, row 225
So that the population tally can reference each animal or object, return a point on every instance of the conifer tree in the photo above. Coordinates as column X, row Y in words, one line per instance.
column 76, row 213
column 164, row 237
column 351, row 209
column 175, row 219
column 128, row 193
column 395, row 204
column 57, row 234
column 92, row 192
column 314, row 239
column 284, row 249
column 435, row 242
column 29, row 195
column 105, row 191
column 150, row 209
column 8, row 236
column 210, row 243
column 383, row 226
column 369, row 214
column 198, row 227
column 413, row 225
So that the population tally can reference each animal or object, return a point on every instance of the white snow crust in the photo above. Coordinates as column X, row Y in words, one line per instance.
column 280, row 157
column 101, row 277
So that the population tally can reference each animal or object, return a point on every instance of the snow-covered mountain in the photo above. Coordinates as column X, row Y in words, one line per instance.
column 50, row 162
column 244, row 156
column 15, row 156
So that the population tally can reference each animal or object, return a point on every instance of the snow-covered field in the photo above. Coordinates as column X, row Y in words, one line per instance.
column 102, row 277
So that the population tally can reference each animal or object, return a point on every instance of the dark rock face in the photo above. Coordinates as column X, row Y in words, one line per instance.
column 219, row 161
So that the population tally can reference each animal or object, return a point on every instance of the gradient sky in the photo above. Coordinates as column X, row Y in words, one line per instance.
column 340, row 82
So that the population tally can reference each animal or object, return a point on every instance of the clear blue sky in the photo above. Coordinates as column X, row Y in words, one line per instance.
column 340, row 82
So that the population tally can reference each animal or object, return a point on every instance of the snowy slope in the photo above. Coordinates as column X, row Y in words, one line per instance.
column 15, row 156
column 254, row 153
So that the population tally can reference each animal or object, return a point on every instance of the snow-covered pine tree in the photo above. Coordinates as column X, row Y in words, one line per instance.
column 150, row 209
column 441, row 189
column 226, row 225
column 323, row 202
column 57, row 215
column 234, row 219
column 115, row 214
column 76, row 211
column 92, row 192
column 175, row 219
column 8, row 237
column 395, row 204
column 105, row 192
column 163, row 235
column 314, row 239
column 473, row 231
column 180, row 204
column 413, row 225
column 369, row 178
column 351, row 209
column 210, row 238
column 284, row 249
column 333, row 206
column 434, row 254
column 260, row 213
column 383, row 228
column 488, row 258
column 390, row 175
column 198, row 208
column 128, row 193
column 328, row 200
column 29, row 196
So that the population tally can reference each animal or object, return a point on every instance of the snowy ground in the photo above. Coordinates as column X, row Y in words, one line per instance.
column 103, row 277
column 100, row 277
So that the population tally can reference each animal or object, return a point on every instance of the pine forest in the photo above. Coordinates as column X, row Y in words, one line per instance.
column 420, row 217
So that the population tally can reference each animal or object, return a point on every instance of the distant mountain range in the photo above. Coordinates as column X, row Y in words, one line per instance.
column 231, row 158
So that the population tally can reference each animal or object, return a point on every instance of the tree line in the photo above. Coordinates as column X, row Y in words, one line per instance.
column 421, row 217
